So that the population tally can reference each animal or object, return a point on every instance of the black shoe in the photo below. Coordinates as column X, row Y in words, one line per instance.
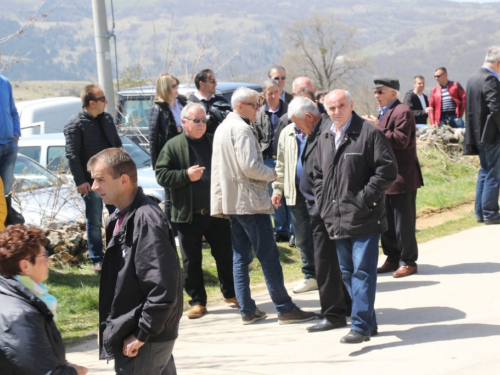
column 281, row 238
column 292, row 241
column 374, row 333
column 326, row 325
column 354, row 337
column 296, row 316
column 492, row 222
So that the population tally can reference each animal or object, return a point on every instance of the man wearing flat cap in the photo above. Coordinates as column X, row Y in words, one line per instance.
column 398, row 124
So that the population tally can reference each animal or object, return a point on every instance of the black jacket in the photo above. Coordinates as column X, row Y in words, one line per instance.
column 84, row 138
column 217, row 108
column 264, row 127
column 411, row 100
column 30, row 343
column 140, row 288
column 162, row 127
column 350, row 182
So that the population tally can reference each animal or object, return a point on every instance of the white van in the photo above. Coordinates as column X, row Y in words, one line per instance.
column 42, row 116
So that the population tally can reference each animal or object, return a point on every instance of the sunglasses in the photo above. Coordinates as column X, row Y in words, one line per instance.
column 211, row 80
column 438, row 76
column 101, row 99
column 380, row 92
column 254, row 105
column 196, row 120
column 279, row 78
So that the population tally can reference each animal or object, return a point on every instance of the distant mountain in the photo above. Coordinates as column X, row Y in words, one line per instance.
column 242, row 39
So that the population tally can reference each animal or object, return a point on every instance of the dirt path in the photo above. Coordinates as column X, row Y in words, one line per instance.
column 431, row 217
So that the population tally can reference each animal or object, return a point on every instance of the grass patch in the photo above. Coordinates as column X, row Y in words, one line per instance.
column 467, row 221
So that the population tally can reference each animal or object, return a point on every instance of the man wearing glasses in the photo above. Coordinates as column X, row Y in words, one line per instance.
column 216, row 106
column 87, row 133
column 398, row 124
column 184, row 166
column 278, row 73
column 239, row 192
column 447, row 101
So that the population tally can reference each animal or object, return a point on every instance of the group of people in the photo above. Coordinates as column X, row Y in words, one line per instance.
column 347, row 182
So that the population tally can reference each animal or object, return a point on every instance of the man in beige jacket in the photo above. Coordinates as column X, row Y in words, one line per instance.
column 239, row 191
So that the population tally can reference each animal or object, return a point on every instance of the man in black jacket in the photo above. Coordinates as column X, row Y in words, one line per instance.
column 354, row 166
column 140, row 294
column 88, row 132
column 483, row 134
column 417, row 100
column 216, row 106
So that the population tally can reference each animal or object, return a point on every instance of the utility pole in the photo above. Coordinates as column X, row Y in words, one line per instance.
column 102, row 36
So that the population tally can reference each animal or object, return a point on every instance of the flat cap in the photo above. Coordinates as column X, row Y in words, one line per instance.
column 393, row 83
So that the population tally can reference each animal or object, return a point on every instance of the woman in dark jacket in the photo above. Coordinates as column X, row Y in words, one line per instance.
column 29, row 340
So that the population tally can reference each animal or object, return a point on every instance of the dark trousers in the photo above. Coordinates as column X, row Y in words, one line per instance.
column 399, row 242
column 218, row 235
column 333, row 296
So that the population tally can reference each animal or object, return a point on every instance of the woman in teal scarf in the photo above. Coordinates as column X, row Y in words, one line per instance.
column 29, row 340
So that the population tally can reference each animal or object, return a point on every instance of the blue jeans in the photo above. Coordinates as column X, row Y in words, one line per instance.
column 451, row 120
column 154, row 358
column 256, row 231
column 8, row 156
column 93, row 213
column 303, row 235
column 283, row 214
column 358, row 258
column 488, row 183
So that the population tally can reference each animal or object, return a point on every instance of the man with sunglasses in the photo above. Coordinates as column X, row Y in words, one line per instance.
column 184, row 166
column 87, row 133
column 447, row 101
column 398, row 124
column 278, row 73
column 216, row 106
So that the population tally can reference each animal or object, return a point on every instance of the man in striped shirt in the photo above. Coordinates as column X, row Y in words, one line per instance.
column 447, row 101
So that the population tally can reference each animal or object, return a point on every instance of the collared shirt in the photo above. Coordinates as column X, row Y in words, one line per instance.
column 282, row 96
column 339, row 134
column 382, row 111
column 176, row 111
column 199, row 96
column 273, row 117
column 492, row 71
column 301, row 143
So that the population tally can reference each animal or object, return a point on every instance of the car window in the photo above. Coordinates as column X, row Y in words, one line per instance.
column 31, row 176
column 56, row 159
column 135, row 112
column 137, row 153
column 32, row 152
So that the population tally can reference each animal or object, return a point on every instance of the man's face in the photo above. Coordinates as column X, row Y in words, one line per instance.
column 280, row 76
column 209, row 85
column 338, row 107
column 385, row 95
column 305, row 124
column 419, row 85
column 302, row 83
column 272, row 96
column 99, row 104
column 108, row 188
column 441, row 77
column 248, row 109
column 195, row 130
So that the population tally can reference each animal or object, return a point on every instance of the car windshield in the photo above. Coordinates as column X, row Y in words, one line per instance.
column 31, row 176
column 134, row 112
column 137, row 153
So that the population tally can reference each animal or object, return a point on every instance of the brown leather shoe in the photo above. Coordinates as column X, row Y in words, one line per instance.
column 197, row 311
column 387, row 267
column 233, row 301
column 405, row 271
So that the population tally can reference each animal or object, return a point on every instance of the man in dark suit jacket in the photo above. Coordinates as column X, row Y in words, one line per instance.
column 483, row 134
column 278, row 73
column 417, row 100
column 398, row 124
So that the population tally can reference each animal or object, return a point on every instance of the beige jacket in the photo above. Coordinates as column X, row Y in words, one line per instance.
column 239, row 176
column 286, row 165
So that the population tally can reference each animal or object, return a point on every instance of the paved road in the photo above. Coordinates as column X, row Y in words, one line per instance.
column 444, row 320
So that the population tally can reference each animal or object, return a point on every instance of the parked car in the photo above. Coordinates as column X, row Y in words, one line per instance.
column 133, row 105
column 49, row 151
column 40, row 196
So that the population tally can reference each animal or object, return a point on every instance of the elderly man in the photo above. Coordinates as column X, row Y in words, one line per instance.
column 398, row 124
column 278, row 73
column 447, row 101
column 140, row 297
column 184, row 167
column 266, row 124
column 483, row 134
column 417, row 100
column 239, row 191
column 88, row 132
column 354, row 167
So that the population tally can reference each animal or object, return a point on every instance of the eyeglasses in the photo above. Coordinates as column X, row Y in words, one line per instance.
column 45, row 255
column 279, row 78
column 101, row 99
column 211, row 80
column 254, row 105
column 380, row 92
column 197, row 120
column 437, row 76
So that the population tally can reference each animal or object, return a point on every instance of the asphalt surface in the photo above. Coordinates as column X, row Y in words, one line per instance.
column 443, row 320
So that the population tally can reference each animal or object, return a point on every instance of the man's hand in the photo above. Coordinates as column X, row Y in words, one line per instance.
column 16, row 138
column 195, row 172
column 80, row 370
column 372, row 119
column 131, row 346
column 429, row 110
column 83, row 189
column 276, row 200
